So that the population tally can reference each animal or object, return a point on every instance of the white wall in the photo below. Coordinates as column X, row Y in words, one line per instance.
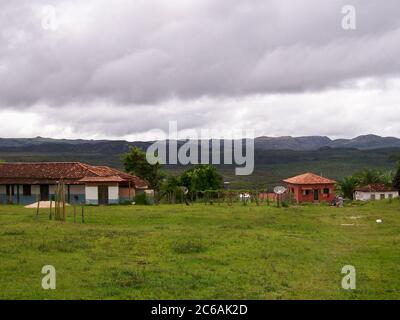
column 91, row 193
column 365, row 196
column 113, row 193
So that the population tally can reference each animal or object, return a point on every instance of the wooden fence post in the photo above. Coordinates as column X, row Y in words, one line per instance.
column 51, row 214
column 83, row 213
column 38, row 206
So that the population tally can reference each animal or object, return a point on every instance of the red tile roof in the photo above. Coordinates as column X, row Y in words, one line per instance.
column 102, row 179
column 376, row 188
column 68, row 172
column 309, row 178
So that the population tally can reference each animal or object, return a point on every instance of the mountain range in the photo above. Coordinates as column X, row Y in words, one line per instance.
column 307, row 143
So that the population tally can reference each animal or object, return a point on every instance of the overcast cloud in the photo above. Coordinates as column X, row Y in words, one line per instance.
column 120, row 69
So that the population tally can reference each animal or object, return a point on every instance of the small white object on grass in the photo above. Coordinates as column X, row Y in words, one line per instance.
column 379, row 221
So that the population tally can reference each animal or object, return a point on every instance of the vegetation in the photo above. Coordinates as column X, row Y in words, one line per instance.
column 347, row 186
column 202, row 252
column 195, row 180
column 201, row 178
column 373, row 176
column 171, row 188
column 135, row 162
column 396, row 179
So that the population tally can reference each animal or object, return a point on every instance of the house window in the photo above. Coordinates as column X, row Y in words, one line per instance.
column 326, row 190
column 373, row 197
column 27, row 190
column 306, row 192
column 382, row 196
column 10, row 190
column 390, row 196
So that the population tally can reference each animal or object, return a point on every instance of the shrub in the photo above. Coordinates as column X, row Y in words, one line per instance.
column 141, row 199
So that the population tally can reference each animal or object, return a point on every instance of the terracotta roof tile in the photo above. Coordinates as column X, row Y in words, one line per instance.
column 102, row 179
column 376, row 188
column 69, row 172
column 309, row 178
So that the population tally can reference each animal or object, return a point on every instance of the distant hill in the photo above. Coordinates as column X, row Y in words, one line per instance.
column 291, row 143
column 366, row 142
column 308, row 143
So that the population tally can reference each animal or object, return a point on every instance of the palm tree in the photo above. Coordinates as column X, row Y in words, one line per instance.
column 387, row 178
column 348, row 186
column 396, row 179
column 369, row 176
column 170, row 188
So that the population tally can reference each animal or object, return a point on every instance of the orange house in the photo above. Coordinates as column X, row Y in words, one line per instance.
column 310, row 187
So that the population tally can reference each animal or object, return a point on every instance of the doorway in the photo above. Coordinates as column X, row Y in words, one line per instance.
column 103, row 194
column 44, row 192
column 316, row 195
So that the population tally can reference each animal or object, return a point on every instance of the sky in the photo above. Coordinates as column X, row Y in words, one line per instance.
column 97, row 69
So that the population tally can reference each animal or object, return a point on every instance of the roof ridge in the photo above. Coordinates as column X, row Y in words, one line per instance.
column 45, row 162
column 309, row 178
column 88, row 167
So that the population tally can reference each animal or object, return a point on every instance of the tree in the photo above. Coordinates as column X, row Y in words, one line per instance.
column 170, row 188
column 396, row 179
column 387, row 178
column 135, row 162
column 202, row 178
column 348, row 186
column 369, row 176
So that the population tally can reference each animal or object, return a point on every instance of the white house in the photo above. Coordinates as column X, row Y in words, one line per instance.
column 375, row 192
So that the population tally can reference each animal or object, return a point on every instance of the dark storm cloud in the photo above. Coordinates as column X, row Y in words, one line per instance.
column 120, row 69
column 147, row 52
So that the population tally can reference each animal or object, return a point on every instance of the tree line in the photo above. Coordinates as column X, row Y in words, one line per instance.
column 195, row 179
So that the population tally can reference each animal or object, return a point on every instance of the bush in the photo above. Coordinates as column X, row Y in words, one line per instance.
column 285, row 204
column 141, row 199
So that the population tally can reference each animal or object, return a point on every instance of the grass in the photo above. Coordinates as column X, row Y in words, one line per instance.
column 203, row 252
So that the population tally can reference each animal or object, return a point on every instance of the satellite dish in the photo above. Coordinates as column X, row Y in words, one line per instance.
column 185, row 190
column 279, row 190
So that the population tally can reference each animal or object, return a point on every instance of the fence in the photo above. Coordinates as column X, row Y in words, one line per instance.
column 229, row 197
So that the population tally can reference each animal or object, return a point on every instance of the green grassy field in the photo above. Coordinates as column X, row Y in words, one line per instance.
column 203, row 252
